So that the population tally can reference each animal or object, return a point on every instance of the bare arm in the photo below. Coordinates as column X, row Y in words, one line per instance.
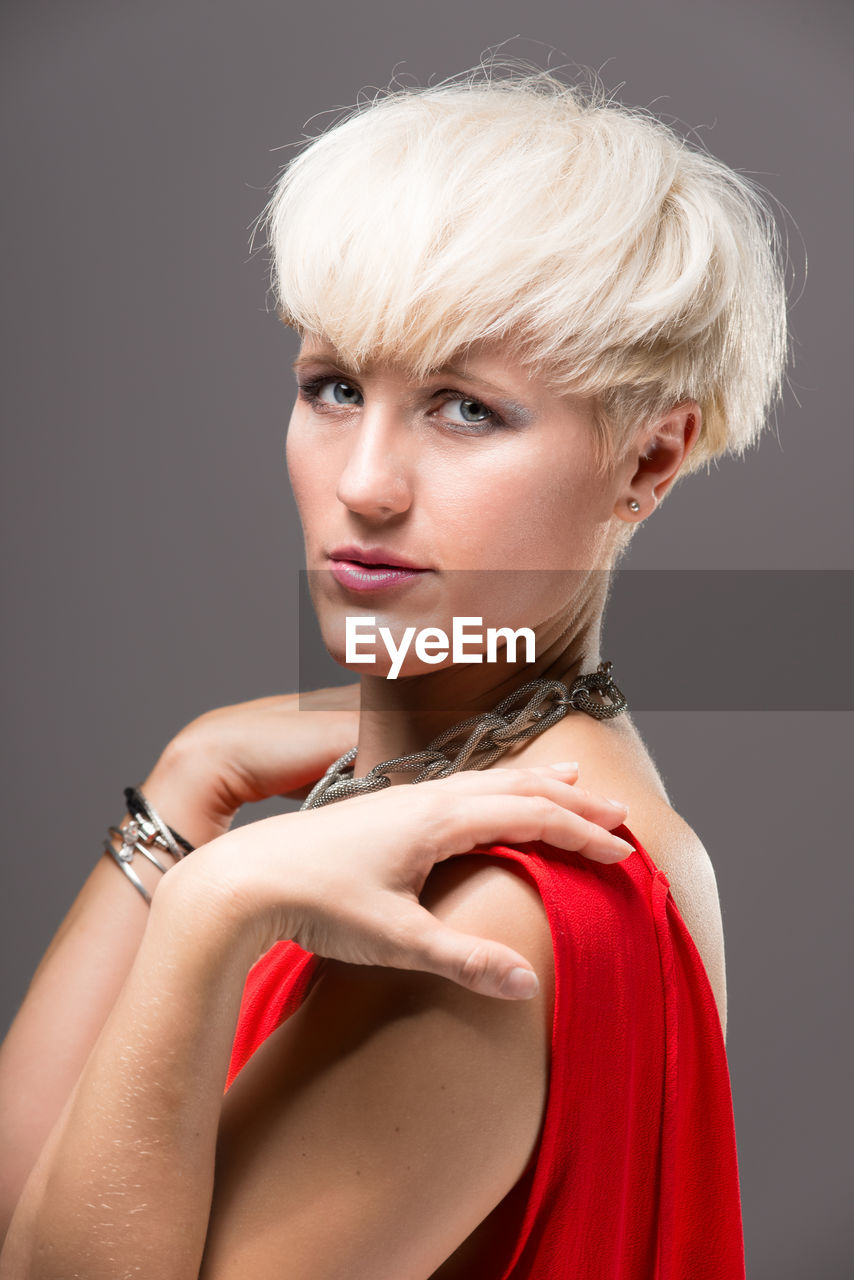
column 75, row 987
column 226, row 758
column 373, row 1132
column 125, row 1180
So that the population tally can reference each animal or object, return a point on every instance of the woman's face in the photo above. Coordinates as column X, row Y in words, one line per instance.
column 474, row 474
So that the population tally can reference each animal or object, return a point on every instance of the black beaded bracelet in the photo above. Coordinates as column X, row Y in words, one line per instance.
column 141, row 808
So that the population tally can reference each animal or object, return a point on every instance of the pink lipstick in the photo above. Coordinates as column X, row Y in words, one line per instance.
column 372, row 568
column 371, row 577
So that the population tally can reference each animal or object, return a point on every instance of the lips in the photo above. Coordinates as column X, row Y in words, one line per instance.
column 373, row 569
column 373, row 577
column 381, row 557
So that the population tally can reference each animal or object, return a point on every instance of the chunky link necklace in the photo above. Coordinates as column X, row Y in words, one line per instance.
column 481, row 739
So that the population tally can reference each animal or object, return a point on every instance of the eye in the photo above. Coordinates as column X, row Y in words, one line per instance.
column 472, row 412
column 466, row 415
column 342, row 393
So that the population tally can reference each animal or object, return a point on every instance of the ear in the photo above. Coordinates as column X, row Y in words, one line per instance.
column 655, row 459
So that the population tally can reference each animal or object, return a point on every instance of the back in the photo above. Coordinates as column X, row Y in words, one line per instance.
column 634, row 1176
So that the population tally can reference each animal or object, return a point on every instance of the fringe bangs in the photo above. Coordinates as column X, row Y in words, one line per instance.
column 616, row 259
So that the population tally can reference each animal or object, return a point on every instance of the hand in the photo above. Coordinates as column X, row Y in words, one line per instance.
column 343, row 880
column 239, row 754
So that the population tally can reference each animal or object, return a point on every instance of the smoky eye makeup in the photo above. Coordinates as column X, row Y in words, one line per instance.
column 497, row 412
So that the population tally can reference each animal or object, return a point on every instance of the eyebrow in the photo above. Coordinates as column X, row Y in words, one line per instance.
column 325, row 357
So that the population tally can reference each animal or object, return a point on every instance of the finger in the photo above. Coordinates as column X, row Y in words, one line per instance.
column 551, row 780
column 597, row 816
column 495, row 818
column 481, row 965
column 596, row 808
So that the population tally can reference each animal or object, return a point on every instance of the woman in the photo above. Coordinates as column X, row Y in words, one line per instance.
column 525, row 313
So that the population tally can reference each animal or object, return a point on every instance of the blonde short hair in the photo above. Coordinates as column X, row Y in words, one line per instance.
column 621, row 261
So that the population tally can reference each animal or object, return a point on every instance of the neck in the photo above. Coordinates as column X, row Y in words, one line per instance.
column 401, row 716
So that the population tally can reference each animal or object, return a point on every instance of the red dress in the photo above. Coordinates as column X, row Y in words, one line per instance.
column 635, row 1175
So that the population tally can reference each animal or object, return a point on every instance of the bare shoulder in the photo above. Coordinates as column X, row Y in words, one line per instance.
column 407, row 1102
column 480, row 893
column 615, row 761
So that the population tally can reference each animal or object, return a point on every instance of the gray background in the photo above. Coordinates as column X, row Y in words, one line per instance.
column 151, row 545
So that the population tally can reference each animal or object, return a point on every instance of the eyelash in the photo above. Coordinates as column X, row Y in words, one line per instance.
column 309, row 390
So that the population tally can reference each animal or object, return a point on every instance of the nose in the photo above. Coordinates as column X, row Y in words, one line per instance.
column 375, row 479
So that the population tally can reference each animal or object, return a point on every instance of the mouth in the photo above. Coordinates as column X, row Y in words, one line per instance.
column 375, row 575
column 374, row 558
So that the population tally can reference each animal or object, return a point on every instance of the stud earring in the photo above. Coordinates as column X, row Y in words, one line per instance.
column 634, row 505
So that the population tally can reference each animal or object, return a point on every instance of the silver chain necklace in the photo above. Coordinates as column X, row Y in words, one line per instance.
column 481, row 739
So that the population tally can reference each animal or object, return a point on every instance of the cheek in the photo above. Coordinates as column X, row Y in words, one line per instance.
column 302, row 460
column 484, row 498
column 571, row 515
column 293, row 448
column 542, row 516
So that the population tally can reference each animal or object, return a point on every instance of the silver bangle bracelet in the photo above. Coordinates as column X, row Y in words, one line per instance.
column 163, row 831
column 131, row 842
column 139, row 837
column 125, row 866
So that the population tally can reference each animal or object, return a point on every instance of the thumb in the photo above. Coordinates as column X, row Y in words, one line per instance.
column 479, row 964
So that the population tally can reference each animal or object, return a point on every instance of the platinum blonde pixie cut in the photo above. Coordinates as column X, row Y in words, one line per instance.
column 618, row 260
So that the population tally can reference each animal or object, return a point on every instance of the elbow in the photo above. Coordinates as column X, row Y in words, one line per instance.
column 14, row 1252
column 19, row 1251
column 32, row 1248
column 21, row 1195
column 10, row 1233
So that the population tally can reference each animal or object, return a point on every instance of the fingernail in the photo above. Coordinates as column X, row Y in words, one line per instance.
column 521, row 984
column 618, row 804
column 624, row 847
column 565, row 765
